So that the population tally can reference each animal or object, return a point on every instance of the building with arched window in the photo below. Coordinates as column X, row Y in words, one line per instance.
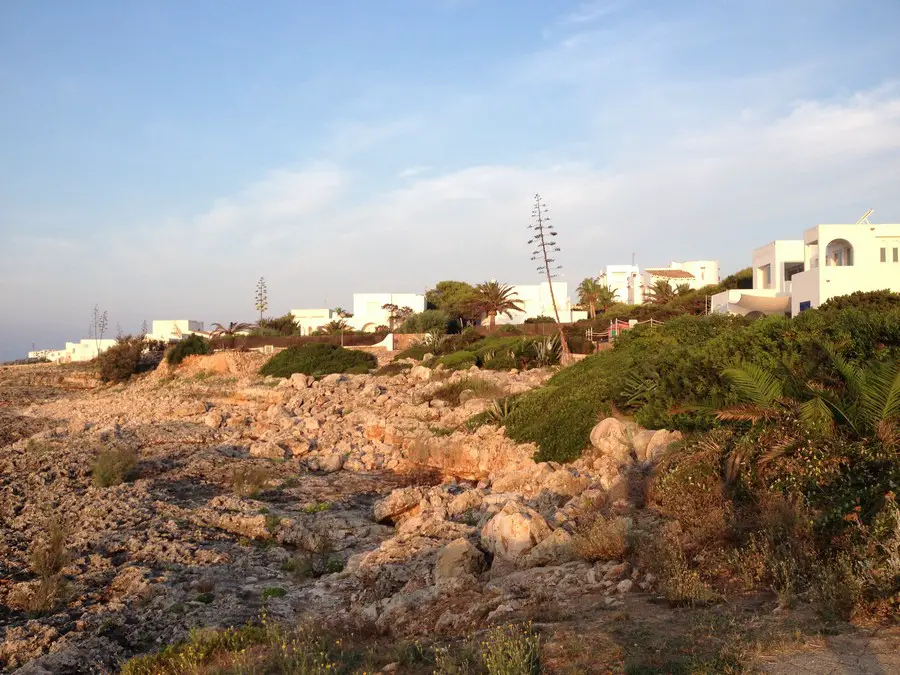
column 790, row 276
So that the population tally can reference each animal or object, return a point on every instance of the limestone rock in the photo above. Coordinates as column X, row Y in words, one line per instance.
column 420, row 373
column 458, row 558
column 214, row 419
column 514, row 531
column 331, row 463
column 465, row 501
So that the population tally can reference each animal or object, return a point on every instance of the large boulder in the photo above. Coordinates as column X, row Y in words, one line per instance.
column 659, row 443
column 514, row 531
column 299, row 381
column 420, row 373
column 554, row 550
column 614, row 429
column 268, row 450
column 564, row 483
column 400, row 504
column 331, row 463
column 458, row 558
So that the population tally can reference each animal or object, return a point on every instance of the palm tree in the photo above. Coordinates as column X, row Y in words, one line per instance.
column 392, row 310
column 333, row 328
column 588, row 291
column 682, row 289
column 606, row 298
column 494, row 298
column 231, row 332
column 866, row 402
column 660, row 292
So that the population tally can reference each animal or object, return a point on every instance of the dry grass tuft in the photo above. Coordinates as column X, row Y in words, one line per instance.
column 249, row 481
column 114, row 466
column 603, row 539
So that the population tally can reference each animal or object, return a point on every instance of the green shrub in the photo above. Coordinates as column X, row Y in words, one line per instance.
column 458, row 360
column 416, row 351
column 541, row 319
column 318, row 359
column 114, row 466
column 121, row 361
column 192, row 344
column 450, row 391
column 391, row 369
column 511, row 650
column 429, row 321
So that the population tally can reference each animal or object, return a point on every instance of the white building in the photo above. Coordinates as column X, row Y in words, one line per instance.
column 624, row 281
column 368, row 312
column 169, row 330
column 536, row 301
column 310, row 320
column 85, row 350
column 631, row 285
column 790, row 276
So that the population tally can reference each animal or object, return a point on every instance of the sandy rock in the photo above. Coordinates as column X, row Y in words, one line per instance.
column 624, row 586
column 640, row 440
column 268, row 450
column 466, row 395
column 333, row 379
column 458, row 558
column 514, row 531
column 420, row 373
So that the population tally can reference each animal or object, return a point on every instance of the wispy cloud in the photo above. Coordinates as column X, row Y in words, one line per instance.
column 589, row 12
column 412, row 171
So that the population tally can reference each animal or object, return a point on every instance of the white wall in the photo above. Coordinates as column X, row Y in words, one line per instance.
column 706, row 272
column 309, row 320
column 368, row 313
column 776, row 254
column 624, row 281
column 168, row 330
column 536, row 301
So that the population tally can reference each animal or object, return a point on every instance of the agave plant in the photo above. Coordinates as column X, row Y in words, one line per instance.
column 436, row 340
column 500, row 410
column 548, row 351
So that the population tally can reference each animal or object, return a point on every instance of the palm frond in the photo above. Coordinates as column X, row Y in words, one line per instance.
column 755, row 384
column 745, row 412
column 880, row 400
column 817, row 413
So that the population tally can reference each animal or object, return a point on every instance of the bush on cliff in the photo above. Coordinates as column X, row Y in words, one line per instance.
column 318, row 359
column 192, row 344
column 651, row 373
column 121, row 361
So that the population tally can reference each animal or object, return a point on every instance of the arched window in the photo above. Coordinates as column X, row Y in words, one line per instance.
column 839, row 253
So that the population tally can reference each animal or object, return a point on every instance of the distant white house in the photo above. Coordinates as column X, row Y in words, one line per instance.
column 368, row 312
column 85, row 350
column 170, row 330
column 536, row 301
column 310, row 320
column 623, row 281
column 631, row 285
column 790, row 276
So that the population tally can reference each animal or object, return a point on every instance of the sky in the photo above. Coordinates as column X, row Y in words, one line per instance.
column 158, row 158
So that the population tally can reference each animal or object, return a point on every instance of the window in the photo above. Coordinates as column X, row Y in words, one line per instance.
column 766, row 276
column 883, row 255
column 806, row 304
column 896, row 254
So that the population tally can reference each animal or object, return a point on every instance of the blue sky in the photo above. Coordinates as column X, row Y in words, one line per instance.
column 159, row 157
